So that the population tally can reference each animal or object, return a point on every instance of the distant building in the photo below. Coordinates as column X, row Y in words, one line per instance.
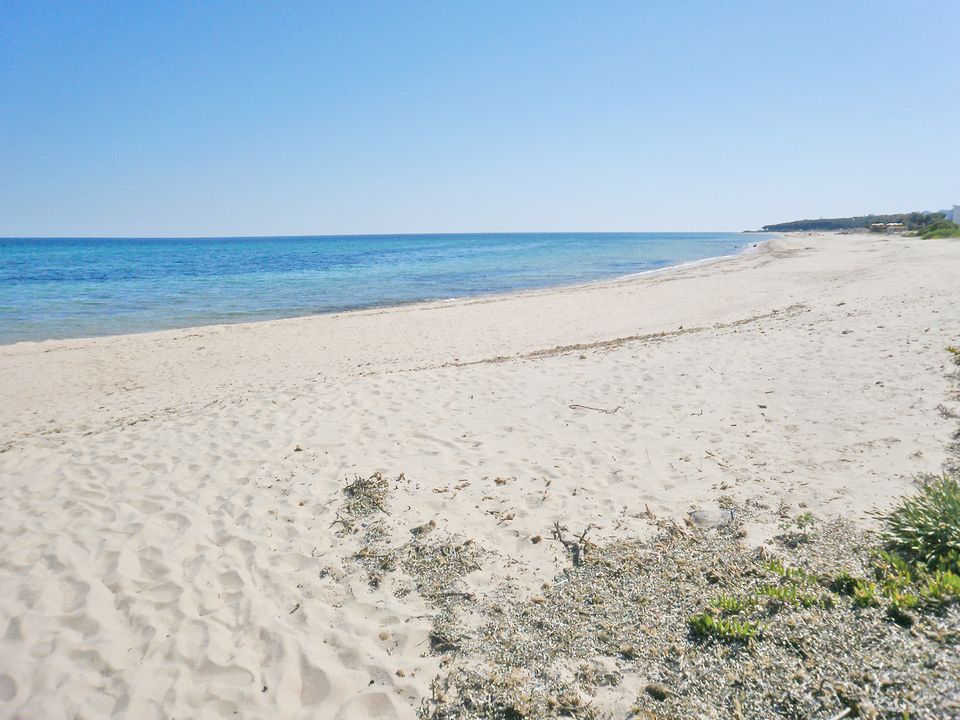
column 891, row 227
column 956, row 214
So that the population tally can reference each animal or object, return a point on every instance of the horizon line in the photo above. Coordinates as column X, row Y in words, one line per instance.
column 362, row 235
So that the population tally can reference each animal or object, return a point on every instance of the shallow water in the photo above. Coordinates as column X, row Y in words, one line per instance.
column 62, row 287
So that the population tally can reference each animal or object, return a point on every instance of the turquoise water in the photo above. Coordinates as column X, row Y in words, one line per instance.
column 63, row 287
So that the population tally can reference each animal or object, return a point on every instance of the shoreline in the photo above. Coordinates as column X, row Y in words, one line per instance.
column 176, row 531
column 479, row 296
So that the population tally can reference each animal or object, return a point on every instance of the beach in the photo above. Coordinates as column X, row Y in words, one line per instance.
column 175, row 539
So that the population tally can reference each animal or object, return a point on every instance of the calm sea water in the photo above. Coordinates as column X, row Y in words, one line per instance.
column 58, row 287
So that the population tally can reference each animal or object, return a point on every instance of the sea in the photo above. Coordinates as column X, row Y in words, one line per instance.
column 53, row 288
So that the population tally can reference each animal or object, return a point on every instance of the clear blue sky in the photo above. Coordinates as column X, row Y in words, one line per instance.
column 242, row 118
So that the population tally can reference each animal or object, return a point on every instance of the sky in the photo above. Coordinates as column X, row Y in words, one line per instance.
column 302, row 118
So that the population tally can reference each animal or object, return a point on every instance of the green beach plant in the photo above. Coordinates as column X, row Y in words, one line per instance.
column 788, row 595
column 889, row 566
column 941, row 587
column 844, row 583
column 925, row 528
column 901, row 605
column 733, row 604
column 800, row 530
column 706, row 625
column 865, row 594
column 791, row 574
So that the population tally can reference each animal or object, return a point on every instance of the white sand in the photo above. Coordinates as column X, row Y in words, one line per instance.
column 157, row 526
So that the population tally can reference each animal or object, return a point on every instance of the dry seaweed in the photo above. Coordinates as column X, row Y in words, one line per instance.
column 630, row 604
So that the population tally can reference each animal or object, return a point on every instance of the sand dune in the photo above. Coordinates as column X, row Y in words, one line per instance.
column 167, row 538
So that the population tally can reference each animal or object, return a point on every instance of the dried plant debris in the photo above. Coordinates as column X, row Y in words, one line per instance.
column 375, row 556
column 437, row 569
column 577, row 547
column 366, row 496
column 362, row 513
column 433, row 566
column 505, row 694
column 703, row 626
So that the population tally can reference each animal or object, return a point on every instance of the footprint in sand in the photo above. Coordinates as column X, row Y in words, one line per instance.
column 368, row 705
column 8, row 688
column 314, row 684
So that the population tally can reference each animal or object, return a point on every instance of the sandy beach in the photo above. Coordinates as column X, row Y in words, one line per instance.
column 173, row 536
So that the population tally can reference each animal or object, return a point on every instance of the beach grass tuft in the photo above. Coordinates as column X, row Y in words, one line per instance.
column 924, row 529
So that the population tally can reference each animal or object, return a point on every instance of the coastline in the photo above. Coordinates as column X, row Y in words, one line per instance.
column 169, row 514
column 492, row 296
column 387, row 305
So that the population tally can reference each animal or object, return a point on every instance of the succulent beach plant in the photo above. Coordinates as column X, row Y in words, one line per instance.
column 729, row 629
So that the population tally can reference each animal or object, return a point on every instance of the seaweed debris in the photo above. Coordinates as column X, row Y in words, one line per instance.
column 612, row 637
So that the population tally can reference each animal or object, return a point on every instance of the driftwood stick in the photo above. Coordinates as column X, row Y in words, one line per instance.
column 576, row 548
column 576, row 406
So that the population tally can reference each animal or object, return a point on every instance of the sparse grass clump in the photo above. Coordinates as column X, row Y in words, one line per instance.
column 865, row 594
column 925, row 528
column 844, row 583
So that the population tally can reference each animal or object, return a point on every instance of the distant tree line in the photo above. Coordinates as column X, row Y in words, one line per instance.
column 918, row 222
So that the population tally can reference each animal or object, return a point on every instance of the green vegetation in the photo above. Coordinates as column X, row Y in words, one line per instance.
column 918, row 222
column 918, row 570
column 941, row 587
column 844, row 583
column 799, row 531
column 924, row 529
column 788, row 595
column 864, row 593
column 733, row 604
column 791, row 593
column 940, row 229
column 791, row 574
column 729, row 629
column 796, row 588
